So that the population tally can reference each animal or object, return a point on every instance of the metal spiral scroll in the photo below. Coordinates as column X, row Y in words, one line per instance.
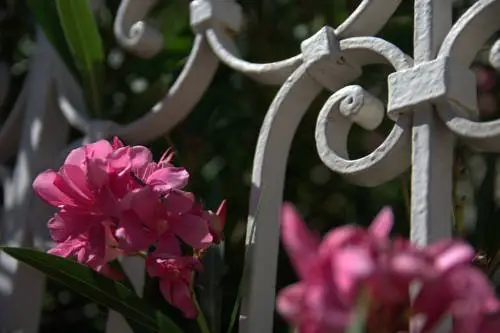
column 463, row 42
column 133, row 33
column 353, row 104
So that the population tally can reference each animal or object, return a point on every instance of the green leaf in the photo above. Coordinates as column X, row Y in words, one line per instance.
column 45, row 14
column 242, row 288
column 209, row 286
column 84, row 41
column 96, row 287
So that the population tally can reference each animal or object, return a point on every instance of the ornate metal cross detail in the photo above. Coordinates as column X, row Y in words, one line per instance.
column 432, row 100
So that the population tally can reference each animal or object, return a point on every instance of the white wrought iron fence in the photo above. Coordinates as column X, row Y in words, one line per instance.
column 432, row 102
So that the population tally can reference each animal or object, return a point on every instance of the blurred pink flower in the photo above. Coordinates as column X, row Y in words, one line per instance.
column 351, row 263
column 334, row 270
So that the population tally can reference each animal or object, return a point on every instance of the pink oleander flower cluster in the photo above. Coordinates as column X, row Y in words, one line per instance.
column 353, row 266
column 114, row 200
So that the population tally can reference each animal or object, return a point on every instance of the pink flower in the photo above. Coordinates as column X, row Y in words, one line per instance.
column 105, row 190
column 175, row 273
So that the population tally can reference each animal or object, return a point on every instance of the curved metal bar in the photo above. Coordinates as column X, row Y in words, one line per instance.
column 464, row 40
column 182, row 97
column 482, row 136
column 270, row 73
column 471, row 31
column 131, row 31
column 368, row 18
column 269, row 168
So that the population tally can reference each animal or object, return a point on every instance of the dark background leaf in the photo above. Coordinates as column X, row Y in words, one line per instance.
column 98, row 288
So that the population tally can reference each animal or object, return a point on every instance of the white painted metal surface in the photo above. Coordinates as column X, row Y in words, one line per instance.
column 432, row 101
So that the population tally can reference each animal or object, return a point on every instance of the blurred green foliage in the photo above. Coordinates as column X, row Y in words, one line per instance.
column 216, row 142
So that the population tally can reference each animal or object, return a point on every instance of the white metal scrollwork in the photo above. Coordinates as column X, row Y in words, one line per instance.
column 432, row 101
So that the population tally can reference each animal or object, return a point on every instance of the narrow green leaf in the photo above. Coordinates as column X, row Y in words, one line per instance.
column 209, row 287
column 96, row 287
column 45, row 14
column 242, row 288
column 84, row 41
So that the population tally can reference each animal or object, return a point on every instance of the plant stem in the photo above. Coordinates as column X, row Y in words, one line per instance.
column 200, row 319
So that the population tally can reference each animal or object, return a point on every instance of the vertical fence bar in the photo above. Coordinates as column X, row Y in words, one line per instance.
column 432, row 151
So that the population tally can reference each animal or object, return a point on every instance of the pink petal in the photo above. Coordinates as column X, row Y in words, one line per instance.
column 181, row 298
column 116, row 143
column 44, row 187
column 450, row 253
column 193, row 230
column 300, row 244
column 350, row 267
column 178, row 295
column 97, row 241
column 341, row 237
column 119, row 160
column 131, row 234
column 58, row 229
column 144, row 203
column 76, row 157
column 96, row 173
column 168, row 245
column 140, row 157
column 67, row 224
column 75, row 183
column 168, row 178
column 99, row 150
column 178, row 202
column 432, row 301
column 382, row 224
column 66, row 248
column 221, row 213
column 217, row 222
column 324, row 309
column 290, row 299
column 409, row 266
